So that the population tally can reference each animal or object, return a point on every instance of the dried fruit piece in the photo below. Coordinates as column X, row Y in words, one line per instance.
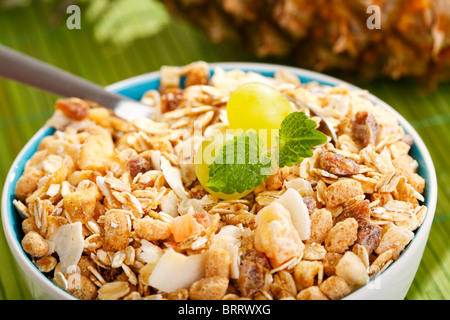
column 276, row 236
column 369, row 236
column 183, row 227
column 308, row 273
column 338, row 164
column 171, row 99
column 251, row 278
column 358, row 209
column 138, row 165
column 365, row 128
column 73, row 108
column 283, row 285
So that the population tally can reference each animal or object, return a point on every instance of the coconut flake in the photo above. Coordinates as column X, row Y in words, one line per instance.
column 155, row 158
column 149, row 252
column 169, row 204
column 293, row 202
column 228, row 238
column 69, row 242
column 300, row 185
column 175, row 271
column 173, row 178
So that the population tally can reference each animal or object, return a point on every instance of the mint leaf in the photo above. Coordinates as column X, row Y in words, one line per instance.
column 239, row 165
column 296, row 137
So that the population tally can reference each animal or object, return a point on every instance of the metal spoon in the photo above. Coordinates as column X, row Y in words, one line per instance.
column 22, row 68
column 317, row 112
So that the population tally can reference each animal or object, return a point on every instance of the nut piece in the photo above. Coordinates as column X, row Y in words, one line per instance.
column 152, row 229
column 171, row 99
column 335, row 287
column 395, row 238
column 311, row 293
column 330, row 262
column 341, row 236
column 46, row 264
column 342, row 191
column 80, row 287
column 95, row 152
column 213, row 288
column 283, row 285
column 321, row 223
column 116, row 231
column 34, row 244
column 29, row 225
column 307, row 274
column 28, row 183
column 217, row 263
column 80, row 205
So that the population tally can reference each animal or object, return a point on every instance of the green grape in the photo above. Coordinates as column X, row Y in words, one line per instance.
column 203, row 158
column 260, row 107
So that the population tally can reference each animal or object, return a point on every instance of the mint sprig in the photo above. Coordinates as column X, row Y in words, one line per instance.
column 296, row 137
column 241, row 164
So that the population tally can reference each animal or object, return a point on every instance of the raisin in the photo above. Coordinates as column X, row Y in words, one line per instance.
column 138, row 165
column 257, row 257
column 73, row 108
column 251, row 278
column 171, row 99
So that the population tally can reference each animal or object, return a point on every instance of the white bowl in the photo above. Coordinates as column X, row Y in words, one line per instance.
column 391, row 284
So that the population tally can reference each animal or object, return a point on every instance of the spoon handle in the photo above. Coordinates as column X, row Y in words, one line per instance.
column 27, row 70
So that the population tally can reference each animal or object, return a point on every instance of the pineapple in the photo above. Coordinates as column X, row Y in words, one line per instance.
column 325, row 35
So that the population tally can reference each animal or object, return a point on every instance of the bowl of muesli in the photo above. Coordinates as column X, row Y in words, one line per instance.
column 97, row 207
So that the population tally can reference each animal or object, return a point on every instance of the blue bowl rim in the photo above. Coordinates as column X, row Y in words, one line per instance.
column 153, row 77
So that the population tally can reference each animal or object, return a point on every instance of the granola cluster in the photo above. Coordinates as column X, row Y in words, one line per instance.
column 113, row 209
